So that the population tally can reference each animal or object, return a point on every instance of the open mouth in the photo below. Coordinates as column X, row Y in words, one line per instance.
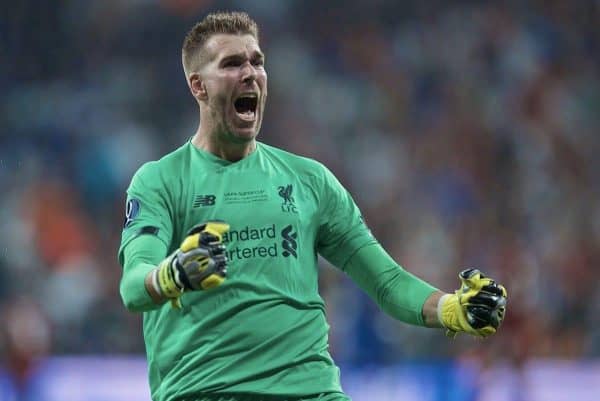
column 245, row 106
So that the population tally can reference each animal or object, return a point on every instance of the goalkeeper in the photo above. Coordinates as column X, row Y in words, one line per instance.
column 220, row 243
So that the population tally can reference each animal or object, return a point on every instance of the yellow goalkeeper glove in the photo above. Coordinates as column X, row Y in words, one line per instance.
column 200, row 262
column 477, row 307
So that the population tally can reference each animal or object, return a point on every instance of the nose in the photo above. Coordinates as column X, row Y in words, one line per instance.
column 248, row 73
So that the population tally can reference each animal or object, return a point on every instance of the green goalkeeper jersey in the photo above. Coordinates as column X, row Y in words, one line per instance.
column 264, row 330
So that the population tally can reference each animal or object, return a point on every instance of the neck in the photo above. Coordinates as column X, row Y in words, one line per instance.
column 226, row 150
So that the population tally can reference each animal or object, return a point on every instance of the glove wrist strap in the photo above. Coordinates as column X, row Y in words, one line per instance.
column 166, row 280
column 155, row 284
column 440, row 306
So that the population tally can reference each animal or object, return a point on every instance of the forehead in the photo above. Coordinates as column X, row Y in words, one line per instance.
column 223, row 45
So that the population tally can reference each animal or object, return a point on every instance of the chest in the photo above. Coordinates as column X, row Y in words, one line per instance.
column 260, row 207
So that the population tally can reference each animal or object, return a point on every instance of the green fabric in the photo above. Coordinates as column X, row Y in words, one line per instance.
column 155, row 208
column 142, row 254
column 259, row 397
column 396, row 291
column 264, row 328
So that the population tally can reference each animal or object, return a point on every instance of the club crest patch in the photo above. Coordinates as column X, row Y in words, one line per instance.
column 132, row 209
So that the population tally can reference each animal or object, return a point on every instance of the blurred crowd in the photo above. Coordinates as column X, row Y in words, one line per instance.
column 466, row 132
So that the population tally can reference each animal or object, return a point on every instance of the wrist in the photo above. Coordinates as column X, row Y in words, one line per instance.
column 430, row 310
column 152, row 287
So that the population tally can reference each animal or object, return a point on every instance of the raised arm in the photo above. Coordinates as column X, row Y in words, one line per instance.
column 477, row 308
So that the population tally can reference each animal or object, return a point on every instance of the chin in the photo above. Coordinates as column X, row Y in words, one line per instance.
column 244, row 134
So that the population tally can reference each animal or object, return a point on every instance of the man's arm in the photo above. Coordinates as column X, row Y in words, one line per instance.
column 141, row 257
column 397, row 292
column 149, row 278
column 477, row 308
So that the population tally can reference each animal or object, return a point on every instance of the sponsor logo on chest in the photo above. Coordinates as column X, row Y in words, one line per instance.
column 274, row 242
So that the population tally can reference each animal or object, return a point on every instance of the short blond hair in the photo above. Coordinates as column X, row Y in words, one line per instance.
column 227, row 22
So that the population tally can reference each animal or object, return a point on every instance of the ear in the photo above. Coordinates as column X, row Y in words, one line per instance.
column 197, row 87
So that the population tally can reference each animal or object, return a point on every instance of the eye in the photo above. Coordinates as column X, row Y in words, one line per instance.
column 258, row 62
column 231, row 63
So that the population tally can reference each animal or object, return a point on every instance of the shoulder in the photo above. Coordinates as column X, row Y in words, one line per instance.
column 302, row 166
column 152, row 173
column 306, row 169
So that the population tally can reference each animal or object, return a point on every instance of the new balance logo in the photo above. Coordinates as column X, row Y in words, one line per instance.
column 204, row 200
column 289, row 243
column 288, row 204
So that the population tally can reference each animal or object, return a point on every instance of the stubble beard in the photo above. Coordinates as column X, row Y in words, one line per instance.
column 223, row 128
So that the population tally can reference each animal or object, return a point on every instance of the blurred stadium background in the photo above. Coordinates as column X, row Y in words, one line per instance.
column 467, row 131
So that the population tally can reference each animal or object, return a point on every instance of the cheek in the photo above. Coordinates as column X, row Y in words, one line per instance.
column 217, row 97
column 219, row 88
column 221, row 101
column 263, row 84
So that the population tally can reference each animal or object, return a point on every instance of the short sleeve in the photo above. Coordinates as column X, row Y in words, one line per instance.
column 342, row 230
column 147, row 209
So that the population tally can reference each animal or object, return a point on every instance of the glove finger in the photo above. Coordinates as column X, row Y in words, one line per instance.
column 504, row 293
column 486, row 299
column 197, row 229
column 195, row 254
column 217, row 228
column 215, row 250
column 200, row 260
column 207, row 266
column 182, row 276
column 479, row 316
column 486, row 331
column 469, row 273
column 214, row 227
column 190, row 242
column 493, row 288
column 220, row 264
column 474, row 279
column 198, row 272
column 500, row 312
column 207, row 238
column 201, row 250
column 219, row 225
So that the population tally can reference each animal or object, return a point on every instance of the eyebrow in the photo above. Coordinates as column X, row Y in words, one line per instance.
column 237, row 56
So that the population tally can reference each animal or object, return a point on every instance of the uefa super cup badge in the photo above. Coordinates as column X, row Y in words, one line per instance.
column 132, row 209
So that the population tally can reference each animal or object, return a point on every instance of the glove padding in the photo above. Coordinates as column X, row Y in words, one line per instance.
column 200, row 262
column 477, row 307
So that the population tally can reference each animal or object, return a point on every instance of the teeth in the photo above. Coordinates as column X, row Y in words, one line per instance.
column 248, row 95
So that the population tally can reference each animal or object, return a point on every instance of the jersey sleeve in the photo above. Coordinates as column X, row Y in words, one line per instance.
column 398, row 292
column 342, row 230
column 147, row 210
